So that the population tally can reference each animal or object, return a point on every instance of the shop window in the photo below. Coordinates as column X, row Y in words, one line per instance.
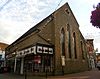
column 0, row 57
column 42, row 63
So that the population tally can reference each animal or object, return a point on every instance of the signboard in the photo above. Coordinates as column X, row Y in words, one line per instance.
column 63, row 60
column 44, row 49
column 26, row 51
column 38, row 49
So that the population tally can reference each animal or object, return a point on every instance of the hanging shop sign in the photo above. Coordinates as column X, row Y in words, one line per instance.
column 63, row 60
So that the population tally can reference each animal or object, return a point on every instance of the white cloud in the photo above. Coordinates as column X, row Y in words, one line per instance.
column 18, row 16
column 92, row 1
column 10, row 31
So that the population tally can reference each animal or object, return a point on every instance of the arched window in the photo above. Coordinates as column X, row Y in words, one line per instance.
column 63, row 42
column 74, row 44
column 69, row 42
column 82, row 50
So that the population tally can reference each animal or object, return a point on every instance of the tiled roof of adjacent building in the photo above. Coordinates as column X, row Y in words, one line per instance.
column 3, row 46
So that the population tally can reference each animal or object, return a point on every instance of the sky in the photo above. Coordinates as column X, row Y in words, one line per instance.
column 18, row 16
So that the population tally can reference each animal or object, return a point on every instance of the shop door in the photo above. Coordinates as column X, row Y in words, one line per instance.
column 48, row 63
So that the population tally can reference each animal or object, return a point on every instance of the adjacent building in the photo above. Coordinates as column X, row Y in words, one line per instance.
column 55, row 45
column 97, row 57
column 91, row 53
column 2, row 54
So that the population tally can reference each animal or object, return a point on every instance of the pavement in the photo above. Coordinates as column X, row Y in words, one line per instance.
column 15, row 76
column 93, row 74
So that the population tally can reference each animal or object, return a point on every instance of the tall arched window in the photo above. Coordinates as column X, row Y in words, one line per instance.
column 74, row 44
column 63, row 42
column 69, row 42
column 82, row 50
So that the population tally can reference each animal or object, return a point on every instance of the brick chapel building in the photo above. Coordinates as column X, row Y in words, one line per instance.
column 55, row 45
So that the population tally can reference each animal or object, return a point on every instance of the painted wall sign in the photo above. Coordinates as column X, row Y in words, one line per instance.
column 44, row 50
column 38, row 49
column 26, row 51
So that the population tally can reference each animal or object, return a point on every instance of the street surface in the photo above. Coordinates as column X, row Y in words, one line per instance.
column 93, row 74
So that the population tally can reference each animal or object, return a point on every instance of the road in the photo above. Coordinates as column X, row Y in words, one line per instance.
column 93, row 74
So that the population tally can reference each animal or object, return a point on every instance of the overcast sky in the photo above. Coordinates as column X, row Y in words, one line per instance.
column 18, row 16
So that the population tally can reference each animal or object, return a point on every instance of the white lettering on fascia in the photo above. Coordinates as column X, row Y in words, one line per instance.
column 39, row 49
column 50, row 50
column 33, row 49
column 45, row 50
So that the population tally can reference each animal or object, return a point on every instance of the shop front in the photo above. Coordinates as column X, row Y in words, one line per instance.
column 39, row 63
column 36, row 59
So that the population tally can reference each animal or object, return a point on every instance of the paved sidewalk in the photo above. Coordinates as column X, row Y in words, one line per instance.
column 93, row 74
column 14, row 76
